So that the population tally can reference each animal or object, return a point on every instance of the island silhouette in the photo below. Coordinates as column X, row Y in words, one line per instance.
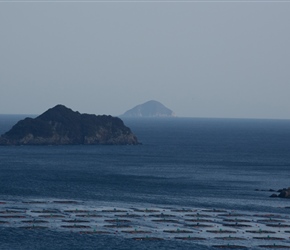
column 149, row 109
column 63, row 126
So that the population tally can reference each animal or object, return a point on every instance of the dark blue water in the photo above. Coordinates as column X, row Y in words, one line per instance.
column 182, row 162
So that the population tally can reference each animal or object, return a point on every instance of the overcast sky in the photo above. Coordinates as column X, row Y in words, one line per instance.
column 209, row 59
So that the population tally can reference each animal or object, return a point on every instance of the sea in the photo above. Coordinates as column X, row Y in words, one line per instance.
column 183, row 164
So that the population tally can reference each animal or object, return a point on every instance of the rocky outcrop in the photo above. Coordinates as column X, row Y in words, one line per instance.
column 282, row 193
column 62, row 126
column 149, row 109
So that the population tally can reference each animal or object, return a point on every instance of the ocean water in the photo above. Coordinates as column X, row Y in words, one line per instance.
column 183, row 163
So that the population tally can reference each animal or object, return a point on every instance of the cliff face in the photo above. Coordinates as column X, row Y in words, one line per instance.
column 149, row 109
column 62, row 126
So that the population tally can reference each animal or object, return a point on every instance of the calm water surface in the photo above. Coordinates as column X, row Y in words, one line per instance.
column 184, row 162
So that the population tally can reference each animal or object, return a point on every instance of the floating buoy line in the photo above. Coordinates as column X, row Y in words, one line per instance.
column 217, row 228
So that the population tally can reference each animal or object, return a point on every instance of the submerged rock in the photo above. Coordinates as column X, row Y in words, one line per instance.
column 62, row 126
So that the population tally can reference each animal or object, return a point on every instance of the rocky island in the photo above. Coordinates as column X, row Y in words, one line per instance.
column 63, row 126
column 149, row 109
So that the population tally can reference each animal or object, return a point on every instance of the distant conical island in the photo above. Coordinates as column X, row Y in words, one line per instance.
column 63, row 126
column 149, row 109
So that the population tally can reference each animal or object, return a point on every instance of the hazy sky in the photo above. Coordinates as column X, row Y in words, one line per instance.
column 200, row 59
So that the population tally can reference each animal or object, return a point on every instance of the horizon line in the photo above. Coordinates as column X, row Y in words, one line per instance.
column 169, row 117
column 145, row 1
